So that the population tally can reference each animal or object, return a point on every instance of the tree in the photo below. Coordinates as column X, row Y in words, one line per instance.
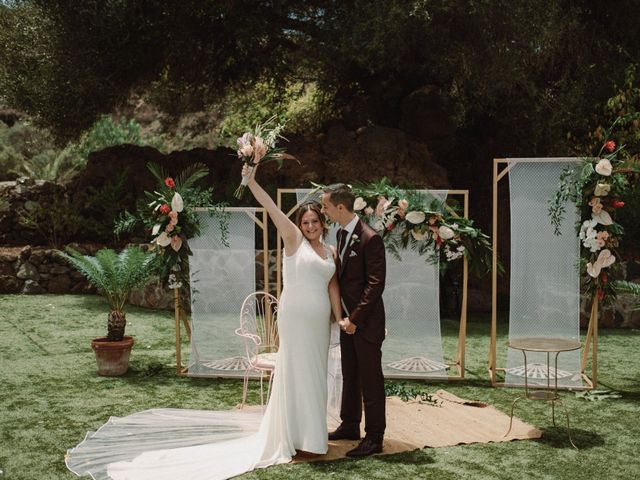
column 528, row 70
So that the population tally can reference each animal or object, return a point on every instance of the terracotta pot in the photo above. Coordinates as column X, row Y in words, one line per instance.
column 112, row 357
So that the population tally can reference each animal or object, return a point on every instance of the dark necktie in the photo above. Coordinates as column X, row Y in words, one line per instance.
column 342, row 238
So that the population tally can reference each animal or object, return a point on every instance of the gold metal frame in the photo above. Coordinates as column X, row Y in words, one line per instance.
column 181, row 316
column 591, row 339
column 459, row 363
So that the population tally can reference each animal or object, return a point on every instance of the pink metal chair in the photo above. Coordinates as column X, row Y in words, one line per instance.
column 258, row 329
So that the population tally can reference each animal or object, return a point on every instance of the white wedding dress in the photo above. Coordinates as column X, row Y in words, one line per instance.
column 174, row 444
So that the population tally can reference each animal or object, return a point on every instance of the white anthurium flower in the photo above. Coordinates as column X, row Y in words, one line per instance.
column 156, row 229
column 446, row 233
column 604, row 167
column 603, row 218
column 418, row 235
column 602, row 190
column 163, row 239
column 605, row 259
column 359, row 204
column 415, row 217
column 177, row 205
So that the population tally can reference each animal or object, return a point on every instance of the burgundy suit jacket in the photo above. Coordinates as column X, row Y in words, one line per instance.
column 362, row 273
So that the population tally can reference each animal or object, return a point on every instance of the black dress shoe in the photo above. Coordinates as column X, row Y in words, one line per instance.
column 344, row 434
column 367, row 447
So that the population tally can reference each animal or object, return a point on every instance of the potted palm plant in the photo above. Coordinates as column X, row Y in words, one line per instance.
column 115, row 275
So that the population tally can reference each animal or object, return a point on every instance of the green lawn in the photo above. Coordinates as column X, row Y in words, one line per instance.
column 51, row 395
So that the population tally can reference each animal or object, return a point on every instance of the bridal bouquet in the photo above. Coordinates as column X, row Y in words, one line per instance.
column 258, row 147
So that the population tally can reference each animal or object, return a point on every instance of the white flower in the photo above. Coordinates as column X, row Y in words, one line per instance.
column 586, row 230
column 163, row 239
column 359, row 204
column 368, row 211
column 605, row 259
column 603, row 217
column 403, row 204
column 604, row 168
column 446, row 233
column 156, row 229
column 602, row 189
column 415, row 217
column 177, row 205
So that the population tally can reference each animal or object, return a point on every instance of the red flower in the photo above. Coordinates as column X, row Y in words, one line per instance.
column 604, row 278
column 169, row 182
column 600, row 294
column 390, row 226
column 617, row 204
column 439, row 240
column 165, row 208
column 610, row 145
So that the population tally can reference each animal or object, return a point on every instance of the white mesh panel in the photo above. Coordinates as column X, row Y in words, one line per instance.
column 413, row 345
column 544, row 290
column 221, row 278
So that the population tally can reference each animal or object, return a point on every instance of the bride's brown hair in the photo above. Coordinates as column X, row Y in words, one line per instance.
column 312, row 206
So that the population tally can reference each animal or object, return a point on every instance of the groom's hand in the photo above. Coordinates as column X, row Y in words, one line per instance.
column 347, row 326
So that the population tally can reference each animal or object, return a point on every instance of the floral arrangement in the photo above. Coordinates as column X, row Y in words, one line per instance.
column 596, row 188
column 259, row 147
column 410, row 219
column 168, row 214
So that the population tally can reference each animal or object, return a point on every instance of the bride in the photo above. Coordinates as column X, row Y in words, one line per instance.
column 295, row 420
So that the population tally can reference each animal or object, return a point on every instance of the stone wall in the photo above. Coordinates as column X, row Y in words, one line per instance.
column 36, row 270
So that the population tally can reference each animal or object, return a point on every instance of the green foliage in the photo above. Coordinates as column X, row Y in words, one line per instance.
column 115, row 275
column 424, row 223
column 69, row 64
column 622, row 286
column 596, row 187
column 180, row 199
column 57, row 221
column 108, row 133
column 409, row 392
column 101, row 206
column 26, row 150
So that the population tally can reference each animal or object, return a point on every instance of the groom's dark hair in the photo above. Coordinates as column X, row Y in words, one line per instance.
column 340, row 193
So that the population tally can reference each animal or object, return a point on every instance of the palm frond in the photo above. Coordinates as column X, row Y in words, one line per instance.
column 157, row 171
column 622, row 286
column 113, row 274
column 190, row 175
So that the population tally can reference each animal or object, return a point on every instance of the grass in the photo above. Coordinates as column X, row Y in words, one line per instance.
column 50, row 395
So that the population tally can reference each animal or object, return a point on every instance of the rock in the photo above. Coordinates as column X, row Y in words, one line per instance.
column 7, row 269
column 153, row 296
column 32, row 287
column 59, row 269
column 10, row 284
column 38, row 257
column 59, row 284
column 25, row 253
column 28, row 272
column 8, row 255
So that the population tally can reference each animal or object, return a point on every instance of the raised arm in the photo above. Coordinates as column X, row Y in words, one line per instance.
column 291, row 235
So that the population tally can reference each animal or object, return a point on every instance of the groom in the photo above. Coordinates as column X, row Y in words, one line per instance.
column 362, row 270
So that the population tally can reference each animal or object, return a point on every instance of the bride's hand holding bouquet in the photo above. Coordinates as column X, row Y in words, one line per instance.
column 258, row 147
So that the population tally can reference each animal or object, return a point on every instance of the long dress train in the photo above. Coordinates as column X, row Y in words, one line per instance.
column 174, row 444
